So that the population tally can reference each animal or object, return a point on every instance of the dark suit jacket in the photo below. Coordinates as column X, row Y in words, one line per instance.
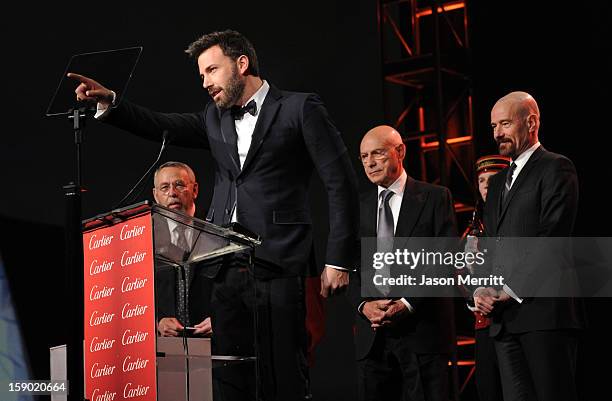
column 200, row 285
column 542, row 203
column 293, row 136
column 426, row 211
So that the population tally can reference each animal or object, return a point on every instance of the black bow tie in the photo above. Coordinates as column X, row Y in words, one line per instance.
column 238, row 112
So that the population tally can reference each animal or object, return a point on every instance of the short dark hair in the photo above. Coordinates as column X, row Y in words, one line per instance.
column 232, row 43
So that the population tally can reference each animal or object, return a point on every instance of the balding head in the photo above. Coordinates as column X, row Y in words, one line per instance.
column 515, row 119
column 382, row 152
column 384, row 134
column 523, row 103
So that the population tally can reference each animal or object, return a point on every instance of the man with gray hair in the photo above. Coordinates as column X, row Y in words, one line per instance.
column 175, row 187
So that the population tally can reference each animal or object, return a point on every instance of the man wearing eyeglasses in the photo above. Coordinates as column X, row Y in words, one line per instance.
column 175, row 187
column 402, row 345
column 265, row 144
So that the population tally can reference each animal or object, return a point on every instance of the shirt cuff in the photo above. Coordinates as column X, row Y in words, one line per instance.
column 405, row 302
column 343, row 269
column 101, row 111
column 360, row 307
column 512, row 294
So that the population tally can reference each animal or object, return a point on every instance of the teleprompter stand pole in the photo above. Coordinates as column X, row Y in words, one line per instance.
column 74, row 268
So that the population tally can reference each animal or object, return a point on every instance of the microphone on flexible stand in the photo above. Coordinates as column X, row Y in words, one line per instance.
column 165, row 141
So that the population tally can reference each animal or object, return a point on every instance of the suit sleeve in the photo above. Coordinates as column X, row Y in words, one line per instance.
column 445, row 224
column 559, row 199
column 185, row 129
column 354, row 294
column 330, row 157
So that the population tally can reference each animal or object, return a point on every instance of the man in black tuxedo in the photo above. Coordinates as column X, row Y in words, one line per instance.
column 536, row 196
column 175, row 187
column 265, row 145
column 402, row 345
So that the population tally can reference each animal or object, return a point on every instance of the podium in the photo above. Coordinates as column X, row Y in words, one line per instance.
column 124, row 358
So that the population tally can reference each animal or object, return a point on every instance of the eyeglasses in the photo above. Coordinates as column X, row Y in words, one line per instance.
column 376, row 154
column 179, row 186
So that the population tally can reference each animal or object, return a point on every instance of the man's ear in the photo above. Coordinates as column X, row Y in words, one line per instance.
column 243, row 64
column 195, row 190
column 532, row 121
column 401, row 150
column 155, row 195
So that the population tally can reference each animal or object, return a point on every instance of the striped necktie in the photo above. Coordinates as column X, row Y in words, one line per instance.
column 182, row 283
column 508, row 183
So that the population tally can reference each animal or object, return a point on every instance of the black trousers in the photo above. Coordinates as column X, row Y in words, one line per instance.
column 488, row 380
column 393, row 372
column 279, row 305
column 538, row 365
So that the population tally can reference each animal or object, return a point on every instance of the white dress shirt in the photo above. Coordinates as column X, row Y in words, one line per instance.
column 245, row 127
column 172, row 225
column 522, row 160
column 395, row 202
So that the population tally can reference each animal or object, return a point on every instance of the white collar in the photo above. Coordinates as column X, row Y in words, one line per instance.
column 171, row 225
column 522, row 159
column 398, row 185
column 259, row 96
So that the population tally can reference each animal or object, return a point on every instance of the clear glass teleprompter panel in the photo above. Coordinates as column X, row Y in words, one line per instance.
column 111, row 68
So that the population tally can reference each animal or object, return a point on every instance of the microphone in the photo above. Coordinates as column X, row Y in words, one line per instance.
column 166, row 139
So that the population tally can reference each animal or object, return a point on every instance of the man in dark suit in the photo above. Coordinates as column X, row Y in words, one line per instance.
column 402, row 345
column 175, row 187
column 265, row 145
column 536, row 196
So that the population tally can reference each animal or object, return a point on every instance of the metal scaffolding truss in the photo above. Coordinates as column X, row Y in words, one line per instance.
column 427, row 91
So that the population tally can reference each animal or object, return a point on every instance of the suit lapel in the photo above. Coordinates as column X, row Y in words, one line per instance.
column 519, row 181
column 230, row 137
column 410, row 211
column 268, row 112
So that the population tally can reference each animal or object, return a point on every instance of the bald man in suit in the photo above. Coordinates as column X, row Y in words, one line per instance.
column 402, row 345
column 536, row 196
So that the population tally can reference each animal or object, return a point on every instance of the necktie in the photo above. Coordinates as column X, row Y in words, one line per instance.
column 238, row 112
column 181, row 238
column 182, row 282
column 384, row 233
column 508, row 183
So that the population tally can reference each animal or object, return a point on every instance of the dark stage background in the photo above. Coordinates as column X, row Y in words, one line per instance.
column 560, row 54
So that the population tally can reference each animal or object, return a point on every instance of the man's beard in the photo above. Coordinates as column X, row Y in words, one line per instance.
column 233, row 91
column 509, row 151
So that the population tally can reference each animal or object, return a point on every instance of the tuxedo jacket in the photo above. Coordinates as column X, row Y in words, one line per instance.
column 541, row 203
column 293, row 136
column 426, row 211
